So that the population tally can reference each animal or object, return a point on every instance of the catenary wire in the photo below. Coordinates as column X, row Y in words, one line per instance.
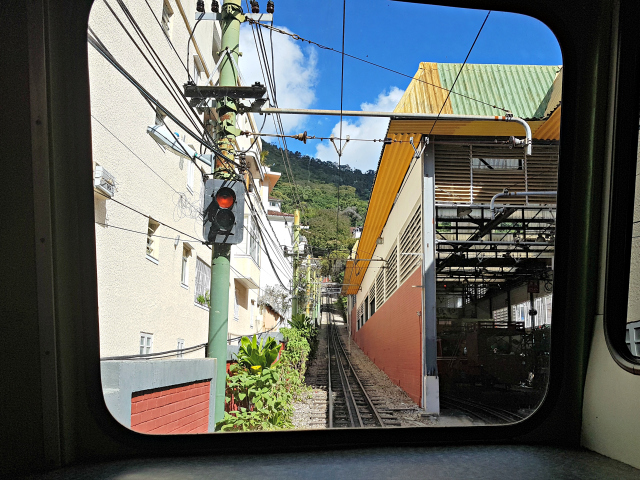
column 324, row 47
column 344, row 19
column 277, row 121
column 460, row 71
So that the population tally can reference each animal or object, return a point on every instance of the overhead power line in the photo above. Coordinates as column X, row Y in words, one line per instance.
column 303, row 137
column 460, row 71
column 324, row 47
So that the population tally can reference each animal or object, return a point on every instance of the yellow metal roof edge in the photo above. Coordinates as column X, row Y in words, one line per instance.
column 394, row 164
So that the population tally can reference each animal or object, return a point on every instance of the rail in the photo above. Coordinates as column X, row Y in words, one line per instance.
column 361, row 413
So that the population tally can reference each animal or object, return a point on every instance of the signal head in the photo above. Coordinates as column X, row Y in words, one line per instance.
column 225, row 197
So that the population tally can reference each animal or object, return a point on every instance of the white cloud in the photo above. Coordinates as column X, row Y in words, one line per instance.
column 296, row 73
column 362, row 155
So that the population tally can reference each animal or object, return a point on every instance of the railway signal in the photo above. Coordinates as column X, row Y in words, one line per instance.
column 223, row 212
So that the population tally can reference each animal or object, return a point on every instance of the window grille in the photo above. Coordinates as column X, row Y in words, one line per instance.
column 372, row 300
column 153, row 246
column 391, row 272
column 186, row 251
column 180, row 348
column 203, row 279
column 380, row 289
column 360, row 315
column 543, row 307
column 167, row 13
column 411, row 244
column 501, row 315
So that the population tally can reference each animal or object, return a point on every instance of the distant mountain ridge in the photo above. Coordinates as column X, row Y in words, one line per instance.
column 308, row 170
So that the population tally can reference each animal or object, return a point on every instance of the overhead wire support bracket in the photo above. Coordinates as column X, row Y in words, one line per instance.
column 339, row 150
column 424, row 145
column 408, row 116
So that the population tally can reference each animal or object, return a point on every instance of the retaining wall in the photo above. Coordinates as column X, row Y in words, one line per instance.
column 161, row 396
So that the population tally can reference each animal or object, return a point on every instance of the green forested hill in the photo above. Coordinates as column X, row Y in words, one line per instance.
column 317, row 185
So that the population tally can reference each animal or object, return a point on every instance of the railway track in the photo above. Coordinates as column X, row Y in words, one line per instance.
column 487, row 414
column 349, row 403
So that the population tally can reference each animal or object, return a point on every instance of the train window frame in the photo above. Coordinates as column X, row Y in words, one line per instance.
column 620, row 188
column 99, row 435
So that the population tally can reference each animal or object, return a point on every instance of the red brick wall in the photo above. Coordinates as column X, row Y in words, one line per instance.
column 177, row 409
column 392, row 337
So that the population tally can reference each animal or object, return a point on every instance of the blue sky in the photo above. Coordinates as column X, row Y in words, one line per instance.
column 394, row 34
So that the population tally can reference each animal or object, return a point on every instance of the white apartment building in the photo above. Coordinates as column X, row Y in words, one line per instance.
column 153, row 271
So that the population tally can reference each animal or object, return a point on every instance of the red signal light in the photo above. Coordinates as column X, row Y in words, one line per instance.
column 225, row 197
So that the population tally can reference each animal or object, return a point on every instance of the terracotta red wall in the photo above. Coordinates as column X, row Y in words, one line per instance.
column 392, row 337
column 177, row 409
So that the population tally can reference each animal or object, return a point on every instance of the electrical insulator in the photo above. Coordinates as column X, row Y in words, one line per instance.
column 200, row 6
column 215, row 7
column 270, row 6
column 255, row 7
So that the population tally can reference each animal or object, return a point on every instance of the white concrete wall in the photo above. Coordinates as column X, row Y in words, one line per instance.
column 137, row 294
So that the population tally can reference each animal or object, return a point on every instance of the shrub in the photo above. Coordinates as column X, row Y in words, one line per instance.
column 254, row 354
column 264, row 390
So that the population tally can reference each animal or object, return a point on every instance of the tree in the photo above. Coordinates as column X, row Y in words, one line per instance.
column 324, row 235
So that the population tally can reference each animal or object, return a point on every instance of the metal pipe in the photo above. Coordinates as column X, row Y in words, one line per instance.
column 516, row 194
column 486, row 205
column 409, row 116
column 481, row 242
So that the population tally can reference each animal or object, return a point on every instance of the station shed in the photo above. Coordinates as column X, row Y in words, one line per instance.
column 460, row 228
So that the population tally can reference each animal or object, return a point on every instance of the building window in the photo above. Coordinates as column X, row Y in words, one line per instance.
column 184, row 277
column 497, row 163
column 146, row 343
column 380, row 289
column 180, row 348
column 254, row 241
column 203, row 281
column 372, row 300
column 167, row 13
column 153, row 245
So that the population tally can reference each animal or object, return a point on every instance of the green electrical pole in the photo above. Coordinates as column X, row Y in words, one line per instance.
column 226, row 131
column 296, row 261
column 308, row 283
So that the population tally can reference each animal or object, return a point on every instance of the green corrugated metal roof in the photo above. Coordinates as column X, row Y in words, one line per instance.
column 523, row 89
